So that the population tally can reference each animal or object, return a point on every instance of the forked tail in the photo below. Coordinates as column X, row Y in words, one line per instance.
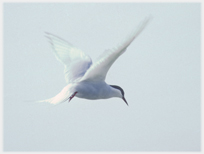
column 63, row 96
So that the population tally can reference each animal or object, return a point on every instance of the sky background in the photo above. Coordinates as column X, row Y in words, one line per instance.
column 160, row 73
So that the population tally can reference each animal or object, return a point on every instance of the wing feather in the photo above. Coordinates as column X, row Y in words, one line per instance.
column 76, row 62
column 99, row 69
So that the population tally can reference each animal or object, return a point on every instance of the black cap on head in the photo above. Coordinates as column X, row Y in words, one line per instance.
column 122, row 92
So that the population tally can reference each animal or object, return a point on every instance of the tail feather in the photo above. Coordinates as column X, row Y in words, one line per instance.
column 59, row 98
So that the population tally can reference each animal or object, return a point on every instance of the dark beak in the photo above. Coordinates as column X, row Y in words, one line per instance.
column 125, row 100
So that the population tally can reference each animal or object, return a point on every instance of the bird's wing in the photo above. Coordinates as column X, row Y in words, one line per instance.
column 76, row 62
column 99, row 69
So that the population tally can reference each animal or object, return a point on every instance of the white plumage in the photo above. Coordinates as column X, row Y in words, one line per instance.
column 84, row 78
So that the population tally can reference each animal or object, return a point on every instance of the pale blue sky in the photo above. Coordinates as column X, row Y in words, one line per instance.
column 159, row 72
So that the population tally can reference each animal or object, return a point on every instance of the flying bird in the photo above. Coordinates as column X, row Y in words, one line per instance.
column 84, row 78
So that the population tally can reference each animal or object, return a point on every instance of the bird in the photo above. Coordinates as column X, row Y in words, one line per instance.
column 84, row 78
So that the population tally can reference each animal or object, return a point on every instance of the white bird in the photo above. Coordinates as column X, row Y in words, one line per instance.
column 86, row 79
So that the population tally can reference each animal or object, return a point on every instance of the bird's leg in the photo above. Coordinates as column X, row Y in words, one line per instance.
column 70, row 98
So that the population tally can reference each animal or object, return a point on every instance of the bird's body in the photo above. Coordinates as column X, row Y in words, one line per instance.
column 94, row 90
column 84, row 78
column 87, row 90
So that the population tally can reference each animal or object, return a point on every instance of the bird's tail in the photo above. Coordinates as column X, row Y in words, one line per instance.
column 59, row 98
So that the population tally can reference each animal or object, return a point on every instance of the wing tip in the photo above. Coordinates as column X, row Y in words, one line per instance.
column 52, row 37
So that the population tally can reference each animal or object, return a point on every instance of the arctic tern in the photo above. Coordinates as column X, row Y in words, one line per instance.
column 86, row 79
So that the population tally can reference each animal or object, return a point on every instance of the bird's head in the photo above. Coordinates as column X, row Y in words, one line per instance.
column 120, row 92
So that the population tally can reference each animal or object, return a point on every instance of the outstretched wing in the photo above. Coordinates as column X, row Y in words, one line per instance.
column 100, row 68
column 76, row 62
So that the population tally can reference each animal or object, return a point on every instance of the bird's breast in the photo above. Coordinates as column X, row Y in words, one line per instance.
column 92, row 90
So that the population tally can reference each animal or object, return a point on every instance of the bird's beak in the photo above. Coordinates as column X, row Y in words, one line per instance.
column 125, row 100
